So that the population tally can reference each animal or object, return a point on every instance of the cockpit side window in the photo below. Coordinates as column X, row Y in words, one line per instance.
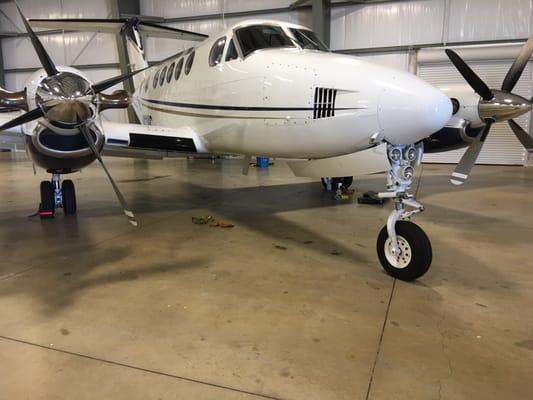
column 231, row 53
column 215, row 55
column 258, row 37
column 308, row 40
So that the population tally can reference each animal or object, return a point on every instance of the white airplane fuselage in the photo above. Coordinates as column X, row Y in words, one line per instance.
column 289, row 102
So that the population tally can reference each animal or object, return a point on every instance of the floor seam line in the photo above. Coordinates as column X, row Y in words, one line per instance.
column 378, row 351
column 147, row 370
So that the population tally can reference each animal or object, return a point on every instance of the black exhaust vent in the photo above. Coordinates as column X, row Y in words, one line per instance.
column 141, row 140
column 324, row 106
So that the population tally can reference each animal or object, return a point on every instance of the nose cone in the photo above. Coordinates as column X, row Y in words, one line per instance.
column 410, row 109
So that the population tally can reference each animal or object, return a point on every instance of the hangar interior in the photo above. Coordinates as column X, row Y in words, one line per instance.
column 290, row 303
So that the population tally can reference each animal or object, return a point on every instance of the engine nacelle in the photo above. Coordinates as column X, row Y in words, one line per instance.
column 465, row 103
column 62, row 153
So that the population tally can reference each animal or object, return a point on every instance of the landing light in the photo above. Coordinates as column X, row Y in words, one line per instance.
column 395, row 154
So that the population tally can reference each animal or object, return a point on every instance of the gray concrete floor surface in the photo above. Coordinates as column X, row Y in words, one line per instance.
column 291, row 303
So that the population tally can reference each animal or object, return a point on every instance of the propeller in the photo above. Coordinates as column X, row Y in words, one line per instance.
column 460, row 175
column 470, row 76
column 68, row 100
column 494, row 106
column 516, row 70
column 90, row 141
column 45, row 59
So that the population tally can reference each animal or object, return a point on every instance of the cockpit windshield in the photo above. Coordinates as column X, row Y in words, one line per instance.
column 258, row 37
column 308, row 40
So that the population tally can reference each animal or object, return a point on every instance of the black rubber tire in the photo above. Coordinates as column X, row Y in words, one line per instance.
column 346, row 182
column 420, row 248
column 69, row 197
column 48, row 202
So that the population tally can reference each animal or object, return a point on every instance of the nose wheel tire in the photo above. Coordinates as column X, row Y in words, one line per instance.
column 414, row 258
column 69, row 197
column 47, row 206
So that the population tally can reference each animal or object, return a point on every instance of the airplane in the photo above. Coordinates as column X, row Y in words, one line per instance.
column 258, row 88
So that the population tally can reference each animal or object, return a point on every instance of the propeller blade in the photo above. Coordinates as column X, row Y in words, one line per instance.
column 522, row 135
column 107, row 83
column 460, row 175
column 23, row 119
column 470, row 76
column 516, row 70
column 89, row 138
column 45, row 59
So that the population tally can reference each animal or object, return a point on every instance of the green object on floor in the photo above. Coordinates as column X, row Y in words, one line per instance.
column 202, row 220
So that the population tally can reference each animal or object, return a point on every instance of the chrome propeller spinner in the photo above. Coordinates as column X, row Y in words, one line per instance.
column 66, row 98
column 503, row 106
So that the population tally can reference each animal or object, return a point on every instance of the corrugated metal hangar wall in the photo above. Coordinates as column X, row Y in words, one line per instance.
column 394, row 33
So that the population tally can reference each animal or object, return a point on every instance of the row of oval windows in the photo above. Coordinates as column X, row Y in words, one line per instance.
column 168, row 71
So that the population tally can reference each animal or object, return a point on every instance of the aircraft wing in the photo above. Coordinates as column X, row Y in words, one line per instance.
column 149, row 141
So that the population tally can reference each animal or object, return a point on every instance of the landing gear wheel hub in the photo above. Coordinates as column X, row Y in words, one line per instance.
column 415, row 254
column 403, row 258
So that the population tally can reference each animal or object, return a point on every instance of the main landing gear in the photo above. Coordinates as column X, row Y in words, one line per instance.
column 337, row 183
column 404, row 249
column 55, row 194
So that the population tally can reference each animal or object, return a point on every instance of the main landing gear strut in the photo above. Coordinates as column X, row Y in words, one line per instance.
column 404, row 249
column 55, row 194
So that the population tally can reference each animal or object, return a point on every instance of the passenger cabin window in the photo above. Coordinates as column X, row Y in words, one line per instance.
column 156, row 79
column 308, row 40
column 256, row 37
column 188, row 64
column 170, row 72
column 179, row 67
column 231, row 54
column 215, row 55
column 162, row 77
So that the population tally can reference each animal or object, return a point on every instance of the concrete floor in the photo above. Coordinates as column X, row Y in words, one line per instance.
column 289, row 304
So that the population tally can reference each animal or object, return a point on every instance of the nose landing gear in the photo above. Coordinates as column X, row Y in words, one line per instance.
column 55, row 194
column 403, row 248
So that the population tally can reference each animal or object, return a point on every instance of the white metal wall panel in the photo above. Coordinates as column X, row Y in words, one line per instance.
column 501, row 146
column 395, row 60
column 16, row 80
column 188, row 8
column 64, row 49
column 473, row 20
column 387, row 24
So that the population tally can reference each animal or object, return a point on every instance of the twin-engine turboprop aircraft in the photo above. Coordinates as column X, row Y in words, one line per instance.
column 259, row 88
